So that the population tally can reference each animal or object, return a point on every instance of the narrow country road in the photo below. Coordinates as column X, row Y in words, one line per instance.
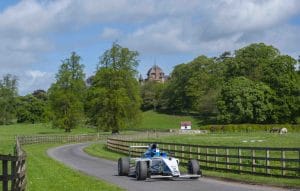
column 74, row 156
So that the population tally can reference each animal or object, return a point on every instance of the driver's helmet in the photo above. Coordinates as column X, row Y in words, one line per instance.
column 157, row 153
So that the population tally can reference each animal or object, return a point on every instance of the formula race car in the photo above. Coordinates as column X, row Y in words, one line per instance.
column 155, row 164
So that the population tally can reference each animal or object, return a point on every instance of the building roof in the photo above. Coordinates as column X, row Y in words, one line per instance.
column 154, row 69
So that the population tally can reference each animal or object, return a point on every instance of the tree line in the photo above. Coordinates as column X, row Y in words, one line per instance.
column 108, row 100
column 255, row 84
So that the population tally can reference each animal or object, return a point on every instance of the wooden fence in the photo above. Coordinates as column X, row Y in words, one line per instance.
column 279, row 162
column 41, row 139
column 13, row 175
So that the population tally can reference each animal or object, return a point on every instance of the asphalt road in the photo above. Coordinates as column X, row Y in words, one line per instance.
column 73, row 156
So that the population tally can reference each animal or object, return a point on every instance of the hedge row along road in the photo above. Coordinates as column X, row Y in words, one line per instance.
column 74, row 156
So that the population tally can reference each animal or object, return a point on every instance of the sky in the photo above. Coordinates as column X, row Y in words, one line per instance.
column 36, row 35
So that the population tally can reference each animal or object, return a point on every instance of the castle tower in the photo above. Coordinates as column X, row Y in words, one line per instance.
column 156, row 74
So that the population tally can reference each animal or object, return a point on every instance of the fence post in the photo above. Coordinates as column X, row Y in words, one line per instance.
column 182, row 152
column 216, row 158
column 253, row 160
column 240, row 159
column 206, row 158
column 198, row 151
column 190, row 152
column 5, row 175
column 282, row 162
column 267, row 161
column 227, row 158
column 14, row 174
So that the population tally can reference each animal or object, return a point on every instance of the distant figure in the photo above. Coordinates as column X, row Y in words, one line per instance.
column 283, row 131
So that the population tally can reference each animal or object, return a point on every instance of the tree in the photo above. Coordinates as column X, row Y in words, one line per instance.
column 67, row 94
column 40, row 94
column 281, row 76
column 8, row 93
column 243, row 100
column 31, row 109
column 251, row 60
column 151, row 93
column 263, row 63
column 113, row 97
column 194, row 86
column 174, row 96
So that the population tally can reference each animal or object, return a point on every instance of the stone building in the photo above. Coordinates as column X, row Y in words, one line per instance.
column 156, row 74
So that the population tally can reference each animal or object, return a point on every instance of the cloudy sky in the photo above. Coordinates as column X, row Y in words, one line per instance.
column 35, row 35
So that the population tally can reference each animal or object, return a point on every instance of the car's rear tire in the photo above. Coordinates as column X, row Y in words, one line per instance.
column 141, row 170
column 194, row 168
column 123, row 166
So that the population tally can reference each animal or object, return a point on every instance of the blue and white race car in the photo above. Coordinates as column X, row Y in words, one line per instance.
column 155, row 164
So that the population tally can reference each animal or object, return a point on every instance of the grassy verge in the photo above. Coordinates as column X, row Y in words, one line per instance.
column 45, row 173
column 8, row 133
column 99, row 150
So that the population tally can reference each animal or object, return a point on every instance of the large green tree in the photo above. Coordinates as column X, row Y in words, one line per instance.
column 264, row 63
column 66, row 95
column 31, row 109
column 8, row 94
column 174, row 96
column 151, row 93
column 113, row 97
column 243, row 100
column 194, row 86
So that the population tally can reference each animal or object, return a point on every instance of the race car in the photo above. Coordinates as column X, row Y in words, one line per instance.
column 155, row 164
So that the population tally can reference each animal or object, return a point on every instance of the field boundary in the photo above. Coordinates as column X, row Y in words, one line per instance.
column 13, row 177
column 277, row 162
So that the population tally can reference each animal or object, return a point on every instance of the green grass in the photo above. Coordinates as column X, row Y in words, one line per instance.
column 45, row 173
column 8, row 133
column 163, row 122
column 155, row 121
column 237, row 139
column 99, row 150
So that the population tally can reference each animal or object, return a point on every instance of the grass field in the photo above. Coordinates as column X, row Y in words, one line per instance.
column 40, row 173
column 46, row 174
column 8, row 133
column 157, row 121
column 257, row 139
column 163, row 122
column 99, row 150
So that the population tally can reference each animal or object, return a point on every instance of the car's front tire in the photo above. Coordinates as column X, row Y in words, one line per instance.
column 123, row 166
column 141, row 170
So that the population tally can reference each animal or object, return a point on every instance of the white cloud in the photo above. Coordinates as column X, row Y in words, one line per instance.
column 164, row 37
column 110, row 34
column 33, row 80
column 151, row 27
